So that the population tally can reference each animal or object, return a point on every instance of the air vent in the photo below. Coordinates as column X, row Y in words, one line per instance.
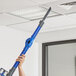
column 69, row 3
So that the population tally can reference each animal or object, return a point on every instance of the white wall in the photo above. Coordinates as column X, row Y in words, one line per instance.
column 57, row 35
column 11, row 44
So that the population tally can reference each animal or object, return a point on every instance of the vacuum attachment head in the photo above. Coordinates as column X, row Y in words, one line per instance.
column 3, row 72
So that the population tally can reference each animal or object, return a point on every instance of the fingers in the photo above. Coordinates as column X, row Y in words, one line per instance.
column 23, row 55
column 21, row 58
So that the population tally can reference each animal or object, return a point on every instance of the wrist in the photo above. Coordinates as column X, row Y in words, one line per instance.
column 19, row 67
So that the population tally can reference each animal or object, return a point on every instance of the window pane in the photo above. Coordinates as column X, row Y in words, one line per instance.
column 61, row 60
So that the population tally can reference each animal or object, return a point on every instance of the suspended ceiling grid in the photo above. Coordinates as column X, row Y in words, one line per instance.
column 25, row 15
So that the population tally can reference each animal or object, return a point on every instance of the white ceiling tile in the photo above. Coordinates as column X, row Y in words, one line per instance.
column 28, row 27
column 38, row 15
column 33, row 12
column 72, row 10
column 59, row 22
column 28, row 10
column 43, row 1
column 6, row 19
column 12, row 5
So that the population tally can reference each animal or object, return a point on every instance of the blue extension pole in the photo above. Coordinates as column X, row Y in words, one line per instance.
column 28, row 43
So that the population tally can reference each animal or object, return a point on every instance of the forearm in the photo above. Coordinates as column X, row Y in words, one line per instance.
column 21, row 72
column 20, row 69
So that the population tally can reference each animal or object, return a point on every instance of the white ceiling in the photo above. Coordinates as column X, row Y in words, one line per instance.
column 51, row 24
column 13, row 14
column 12, row 5
column 6, row 19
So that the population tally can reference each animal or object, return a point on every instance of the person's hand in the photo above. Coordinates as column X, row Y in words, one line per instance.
column 21, row 60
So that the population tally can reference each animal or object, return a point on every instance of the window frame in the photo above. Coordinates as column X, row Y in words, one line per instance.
column 45, row 52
